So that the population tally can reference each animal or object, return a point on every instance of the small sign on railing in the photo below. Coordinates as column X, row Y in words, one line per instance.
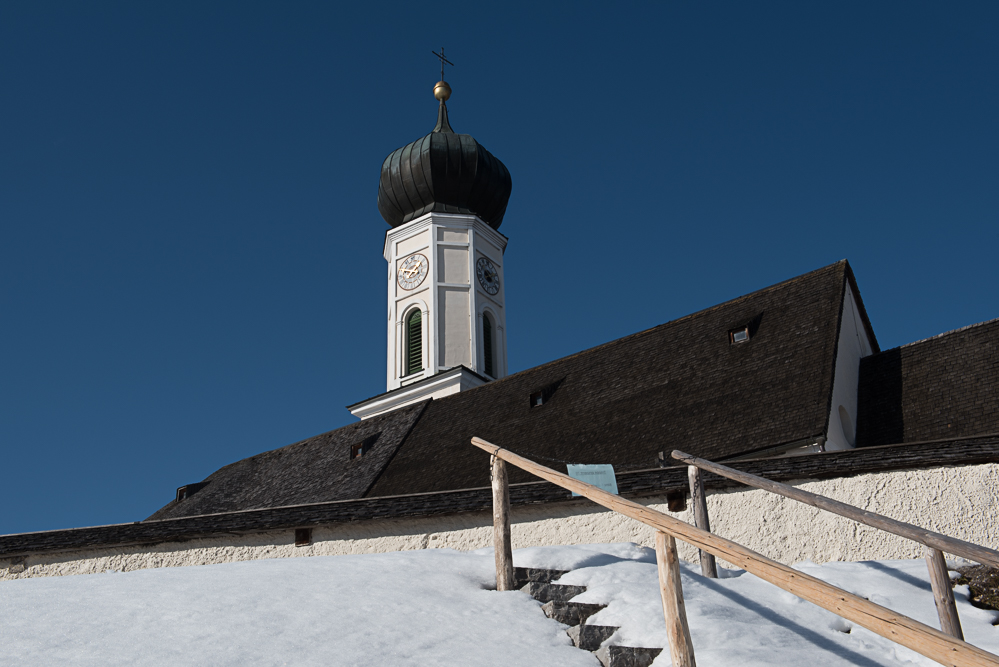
column 600, row 476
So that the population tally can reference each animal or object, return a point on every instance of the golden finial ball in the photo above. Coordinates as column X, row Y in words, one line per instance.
column 442, row 91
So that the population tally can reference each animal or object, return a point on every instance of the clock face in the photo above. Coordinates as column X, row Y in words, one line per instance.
column 488, row 275
column 412, row 271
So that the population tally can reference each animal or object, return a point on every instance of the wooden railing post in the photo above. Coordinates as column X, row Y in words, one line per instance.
column 700, row 503
column 501, row 526
column 943, row 594
column 681, row 650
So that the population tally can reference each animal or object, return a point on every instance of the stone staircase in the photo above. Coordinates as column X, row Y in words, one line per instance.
column 557, row 604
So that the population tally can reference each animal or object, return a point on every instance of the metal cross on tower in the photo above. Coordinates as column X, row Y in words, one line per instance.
column 443, row 60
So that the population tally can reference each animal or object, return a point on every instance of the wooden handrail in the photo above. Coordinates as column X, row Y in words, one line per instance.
column 929, row 538
column 901, row 629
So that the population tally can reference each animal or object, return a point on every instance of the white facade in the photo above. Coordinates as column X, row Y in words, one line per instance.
column 853, row 345
column 452, row 301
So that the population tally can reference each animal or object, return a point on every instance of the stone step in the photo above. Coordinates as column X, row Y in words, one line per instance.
column 590, row 637
column 524, row 575
column 627, row 656
column 570, row 613
column 543, row 592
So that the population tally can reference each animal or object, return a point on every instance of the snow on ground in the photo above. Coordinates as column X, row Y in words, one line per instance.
column 742, row 620
column 409, row 608
column 432, row 607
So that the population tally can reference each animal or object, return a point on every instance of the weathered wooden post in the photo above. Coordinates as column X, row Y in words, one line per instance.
column 680, row 648
column 700, row 503
column 943, row 594
column 501, row 526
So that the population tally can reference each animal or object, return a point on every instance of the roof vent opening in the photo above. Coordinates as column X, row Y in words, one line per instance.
column 188, row 490
column 359, row 449
column 745, row 331
column 303, row 537
column 676, row 501
column 543, row 395
column 740, row 335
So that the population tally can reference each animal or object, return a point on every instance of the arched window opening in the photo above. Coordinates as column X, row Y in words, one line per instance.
column 414, row 342
column 487, row 344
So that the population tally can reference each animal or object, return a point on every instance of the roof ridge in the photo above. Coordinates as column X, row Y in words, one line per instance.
column 619, row 341
column 946, row 333
column 303, row 441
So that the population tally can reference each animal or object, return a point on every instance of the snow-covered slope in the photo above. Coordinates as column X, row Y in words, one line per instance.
column 432, row 607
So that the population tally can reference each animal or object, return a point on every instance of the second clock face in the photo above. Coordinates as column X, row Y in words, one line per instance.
column 488, row 275
column 412, row 271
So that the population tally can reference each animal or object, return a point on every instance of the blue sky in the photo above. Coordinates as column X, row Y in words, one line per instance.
column 190, row 266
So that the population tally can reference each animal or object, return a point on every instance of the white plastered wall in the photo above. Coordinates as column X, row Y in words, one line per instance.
column 450, row 295
column 493, row 304
column 400, row 243
column 954, row 501
column 854, row 344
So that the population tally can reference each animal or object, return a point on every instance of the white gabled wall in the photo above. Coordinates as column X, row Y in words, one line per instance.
column 854, row 344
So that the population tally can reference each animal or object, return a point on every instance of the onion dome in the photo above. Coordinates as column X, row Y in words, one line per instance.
column 443, row 172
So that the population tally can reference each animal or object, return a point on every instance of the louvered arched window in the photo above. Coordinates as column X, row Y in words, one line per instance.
column 414, row 342
column 487, row 344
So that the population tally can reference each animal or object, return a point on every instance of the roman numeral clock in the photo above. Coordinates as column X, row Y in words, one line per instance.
column 412, row 271
column 487, row 275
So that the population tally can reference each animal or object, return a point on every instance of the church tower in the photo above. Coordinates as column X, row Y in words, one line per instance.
column 444, row 197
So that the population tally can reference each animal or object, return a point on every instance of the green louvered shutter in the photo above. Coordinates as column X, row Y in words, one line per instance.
column 487, row 344
column 414, row 343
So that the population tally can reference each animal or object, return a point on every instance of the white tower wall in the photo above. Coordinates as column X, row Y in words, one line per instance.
column 450, row 297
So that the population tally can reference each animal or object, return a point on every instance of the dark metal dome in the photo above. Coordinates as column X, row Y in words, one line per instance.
column 443, row 172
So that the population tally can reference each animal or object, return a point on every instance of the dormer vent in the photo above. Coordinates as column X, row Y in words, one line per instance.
column 543, row 395
column 359, row 449
column 189, row 490
column 745, row 331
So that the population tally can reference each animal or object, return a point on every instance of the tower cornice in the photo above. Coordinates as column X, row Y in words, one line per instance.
column 450, row 219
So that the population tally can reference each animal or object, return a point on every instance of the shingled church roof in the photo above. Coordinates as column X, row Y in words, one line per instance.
column 316, row 470
column 681, row 385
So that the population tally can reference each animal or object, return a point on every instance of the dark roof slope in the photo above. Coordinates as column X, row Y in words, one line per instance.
column 941, row 387
column 680, row 385
column 312, row 471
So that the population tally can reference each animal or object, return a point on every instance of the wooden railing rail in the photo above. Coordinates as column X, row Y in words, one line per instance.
column 934, row 543
column 901, row 629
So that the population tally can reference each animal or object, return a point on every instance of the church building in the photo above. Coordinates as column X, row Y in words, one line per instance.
column 788, row 382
